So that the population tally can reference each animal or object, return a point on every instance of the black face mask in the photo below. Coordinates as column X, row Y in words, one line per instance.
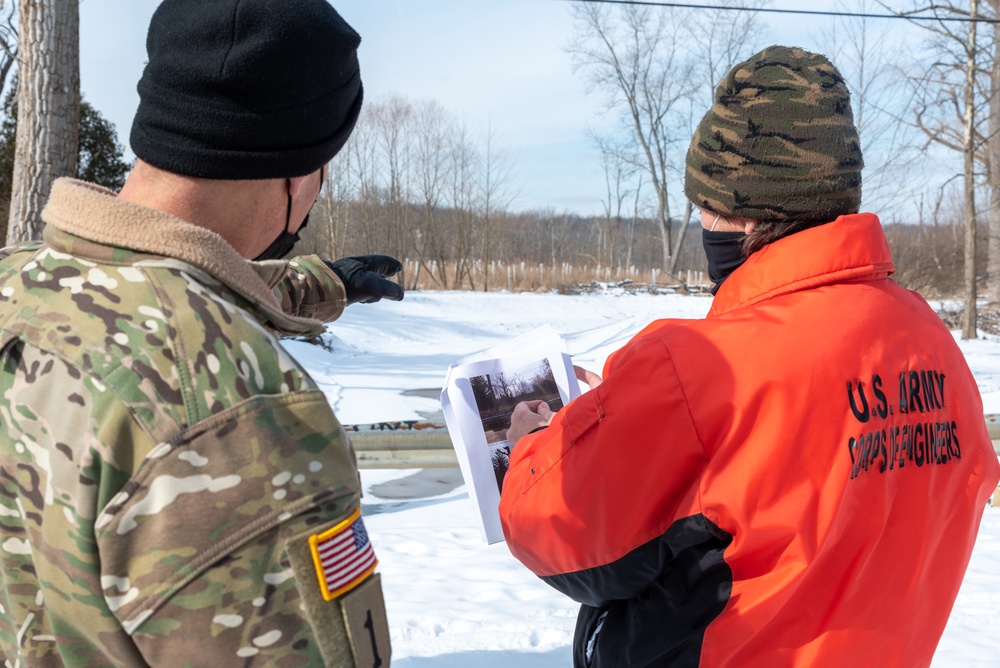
column 286, row 241
column 724, row 253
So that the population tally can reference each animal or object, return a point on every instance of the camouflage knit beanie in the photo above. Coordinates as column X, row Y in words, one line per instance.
column 246, row 89
column 779, row 143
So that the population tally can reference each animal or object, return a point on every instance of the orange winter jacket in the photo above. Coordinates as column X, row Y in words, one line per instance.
column 795, row 480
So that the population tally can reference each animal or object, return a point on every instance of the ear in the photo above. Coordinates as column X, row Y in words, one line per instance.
column 295, row 184
column 750, row 226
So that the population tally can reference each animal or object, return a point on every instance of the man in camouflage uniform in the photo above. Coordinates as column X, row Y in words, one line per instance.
column 163, row 461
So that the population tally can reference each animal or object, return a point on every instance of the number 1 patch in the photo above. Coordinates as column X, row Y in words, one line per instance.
column 367, row 628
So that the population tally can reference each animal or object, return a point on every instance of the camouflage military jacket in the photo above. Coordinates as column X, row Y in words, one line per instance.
column 159, row 450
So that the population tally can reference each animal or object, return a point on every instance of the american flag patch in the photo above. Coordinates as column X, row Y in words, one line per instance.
column 343, row 555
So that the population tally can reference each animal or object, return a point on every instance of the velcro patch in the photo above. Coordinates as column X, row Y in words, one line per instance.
column 367, row 627
column 343, row 556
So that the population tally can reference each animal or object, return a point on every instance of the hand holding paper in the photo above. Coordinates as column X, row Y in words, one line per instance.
column 495, row 397
column 528, row 416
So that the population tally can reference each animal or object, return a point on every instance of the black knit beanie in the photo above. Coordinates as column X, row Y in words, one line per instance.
column 246, row 89
column 779, row 143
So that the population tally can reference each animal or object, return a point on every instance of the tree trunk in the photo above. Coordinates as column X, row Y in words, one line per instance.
column 681, row 234
column 969, row 314
column 993, row 151
column 663, row 217
column 48, row 109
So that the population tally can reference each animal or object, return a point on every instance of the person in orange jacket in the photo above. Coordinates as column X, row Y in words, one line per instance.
column 795, row 480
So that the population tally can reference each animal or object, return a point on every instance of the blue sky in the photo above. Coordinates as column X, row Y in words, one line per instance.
column 496, row 64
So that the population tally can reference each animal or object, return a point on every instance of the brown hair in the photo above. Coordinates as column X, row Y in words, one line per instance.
column 769, row 231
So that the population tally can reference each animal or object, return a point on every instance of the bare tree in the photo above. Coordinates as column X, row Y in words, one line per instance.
column 635, row 58
column 431, row 136
column 619, row 169
column 968, row 163
column 723, row 38
column 993, row 156
column 365, row 163
column 393, row 122
column 873, row 58
column 464, row 164
column 949, row 109
column 494, row 196
column 48, row 109
column 8, row 58
column 8, row 40
column 337, row 205
column 653, row 65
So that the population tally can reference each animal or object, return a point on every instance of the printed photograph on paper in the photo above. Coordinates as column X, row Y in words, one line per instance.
column 478, row 397
column 497, row 393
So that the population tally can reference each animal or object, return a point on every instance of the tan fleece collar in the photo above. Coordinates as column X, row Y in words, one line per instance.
column 96, row 214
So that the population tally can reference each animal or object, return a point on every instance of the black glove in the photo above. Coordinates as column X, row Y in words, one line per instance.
column 364, row 277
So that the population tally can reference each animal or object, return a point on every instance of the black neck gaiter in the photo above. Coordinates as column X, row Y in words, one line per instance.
column 724, row 253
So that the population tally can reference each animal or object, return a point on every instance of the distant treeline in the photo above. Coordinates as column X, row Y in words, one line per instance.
column 463, row 250
column 413, row 182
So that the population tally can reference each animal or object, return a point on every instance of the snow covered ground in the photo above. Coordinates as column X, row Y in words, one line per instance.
column 452, row 600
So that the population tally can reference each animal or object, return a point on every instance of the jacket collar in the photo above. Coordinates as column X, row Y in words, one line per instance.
column 95, row 214
column 851, row 248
